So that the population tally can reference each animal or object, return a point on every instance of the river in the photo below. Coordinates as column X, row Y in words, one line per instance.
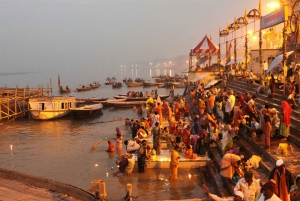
column 59, row 150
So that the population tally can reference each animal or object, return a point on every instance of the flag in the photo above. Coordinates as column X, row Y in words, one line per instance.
column 210, row 38
column 228, row 52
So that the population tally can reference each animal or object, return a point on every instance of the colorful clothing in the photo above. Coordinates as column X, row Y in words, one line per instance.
column 174, row 165
column 111, row 147
column 284, row 127
column 156, row 139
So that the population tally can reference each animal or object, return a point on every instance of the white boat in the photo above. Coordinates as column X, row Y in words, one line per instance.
column 47, row 108
column 86, row 111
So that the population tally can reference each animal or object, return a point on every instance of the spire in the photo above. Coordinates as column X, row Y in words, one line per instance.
column 245, row 16
column 227, row 30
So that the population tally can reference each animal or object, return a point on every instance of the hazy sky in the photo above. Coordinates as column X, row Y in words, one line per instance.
column 43, row 35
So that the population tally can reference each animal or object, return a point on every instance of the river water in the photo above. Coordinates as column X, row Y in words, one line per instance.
column 59, row 150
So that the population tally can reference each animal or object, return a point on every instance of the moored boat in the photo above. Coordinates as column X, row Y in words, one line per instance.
column 86, row 111
column 95, row 85
column 162, row 97
column 134, row 84
column 149, row 84
column 61, row 89
column 64, row 91
column 122, row 103
column 90, row 100
column 110, row 81
column 117, row 85
column 47, row 108
column 83, row 88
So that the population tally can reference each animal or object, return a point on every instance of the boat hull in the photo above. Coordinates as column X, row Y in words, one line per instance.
column 64, row 91
column 90, row 100
column 49, row 114
column 86, row 111
column 134, row 84
column 84, row 89
column 162, row 97
column 47, row 108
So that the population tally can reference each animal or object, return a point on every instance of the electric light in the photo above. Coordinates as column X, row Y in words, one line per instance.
column 273, row 5
column 96, row 165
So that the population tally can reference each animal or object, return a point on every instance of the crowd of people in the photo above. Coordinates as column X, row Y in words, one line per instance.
column 219, row 115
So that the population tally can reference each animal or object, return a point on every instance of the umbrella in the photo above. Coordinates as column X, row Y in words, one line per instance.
column 277, row 60
column 211, row 83
column 200, row 78
column 237, row 60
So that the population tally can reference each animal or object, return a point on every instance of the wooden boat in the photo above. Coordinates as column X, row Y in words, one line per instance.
column 149, row 84
column 127, row 80
column 64, row 91
column 86, row 111
column 110, row 81
column 134, row 84
column 47, row 108
column 159, row 80
column 61, row 89
column 83, row 88
column 117, row 85
column 162, row 97
column 90, row 100
column 122, row 103
column 139, row 80
column 95, row 85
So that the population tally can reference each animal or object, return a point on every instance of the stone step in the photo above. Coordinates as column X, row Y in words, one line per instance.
column 259, row 173
column 295, row 121
column 276, row 102
column 254, row 145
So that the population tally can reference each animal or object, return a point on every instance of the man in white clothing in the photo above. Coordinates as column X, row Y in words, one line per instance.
column 249, row 186
column 268, row 192
column 238, row 195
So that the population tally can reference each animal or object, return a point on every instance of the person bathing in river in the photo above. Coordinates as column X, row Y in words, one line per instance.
column 111, row 147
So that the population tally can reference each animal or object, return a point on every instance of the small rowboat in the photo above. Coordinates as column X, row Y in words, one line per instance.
column 90, row 100
column 122, row 103
column 79, row 89
column 86, row 111
column 134, row 84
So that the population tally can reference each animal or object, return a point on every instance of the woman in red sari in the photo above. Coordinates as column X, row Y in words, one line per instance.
column 111, row 147
column 242, row 100
column 285, row 121
column 172, row 127
column 186, row 110
column 186, row 135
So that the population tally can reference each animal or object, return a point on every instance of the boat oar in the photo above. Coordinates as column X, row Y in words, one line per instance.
column 95, row 145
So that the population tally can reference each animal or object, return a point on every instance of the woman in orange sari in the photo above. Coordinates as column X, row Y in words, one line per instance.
column 159, row 109
column 177, row 111
column 165, row 110
column 201, row 106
